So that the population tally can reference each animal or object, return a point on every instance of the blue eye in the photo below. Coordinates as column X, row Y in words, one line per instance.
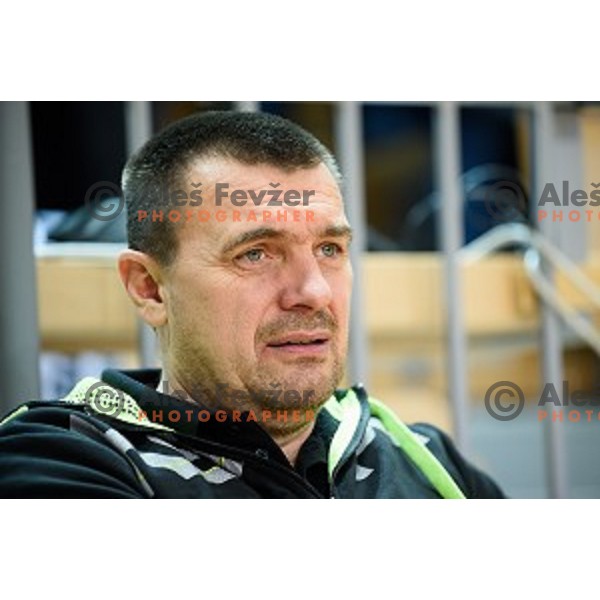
column 254, row 255
column 330, row 250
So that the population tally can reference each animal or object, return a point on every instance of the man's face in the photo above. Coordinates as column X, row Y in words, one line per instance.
column 256, row 304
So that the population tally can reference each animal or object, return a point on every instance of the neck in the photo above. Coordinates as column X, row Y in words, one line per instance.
column 290, row 443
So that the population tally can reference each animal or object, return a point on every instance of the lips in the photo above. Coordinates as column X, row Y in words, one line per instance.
column 300, row 345
column 299, row 339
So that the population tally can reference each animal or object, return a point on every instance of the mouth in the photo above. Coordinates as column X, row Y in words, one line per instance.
column 301, row 343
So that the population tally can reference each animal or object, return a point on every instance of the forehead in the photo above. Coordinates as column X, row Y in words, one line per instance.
column 211, row 170
column 317, row 201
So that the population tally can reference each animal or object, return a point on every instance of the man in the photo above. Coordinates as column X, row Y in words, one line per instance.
column 239, row 260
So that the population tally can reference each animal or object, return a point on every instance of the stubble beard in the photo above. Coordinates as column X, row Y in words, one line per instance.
column 300, row 384
column 303, row 385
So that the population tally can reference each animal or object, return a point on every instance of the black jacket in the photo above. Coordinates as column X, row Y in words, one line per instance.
column 106, row 440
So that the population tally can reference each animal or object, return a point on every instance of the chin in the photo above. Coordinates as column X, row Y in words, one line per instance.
column 314, row 383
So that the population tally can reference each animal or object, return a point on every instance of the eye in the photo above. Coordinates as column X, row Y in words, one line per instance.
column 330, row 250
column 253, row 255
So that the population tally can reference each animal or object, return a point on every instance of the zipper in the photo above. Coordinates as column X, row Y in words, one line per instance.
column 195, row 445
column 259, row 462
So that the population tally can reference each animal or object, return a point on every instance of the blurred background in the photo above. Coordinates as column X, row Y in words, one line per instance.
column 459, row 284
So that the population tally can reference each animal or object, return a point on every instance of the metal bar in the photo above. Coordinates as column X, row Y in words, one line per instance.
column 568, row 166
column 551, row 342
column 247, row 106
column 138, row 123
column 451, row 233
column 19, row 334
column 350, row 152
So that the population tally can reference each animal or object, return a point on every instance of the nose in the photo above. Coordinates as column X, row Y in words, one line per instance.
column 305, row 287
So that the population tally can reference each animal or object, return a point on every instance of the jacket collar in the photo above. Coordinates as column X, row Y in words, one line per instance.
column 342, row 419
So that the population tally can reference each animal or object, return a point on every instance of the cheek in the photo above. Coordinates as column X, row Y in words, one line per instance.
column 341, row 285
column 193, row 309
column 236, row 312
column 248, row 312
column 342, row 291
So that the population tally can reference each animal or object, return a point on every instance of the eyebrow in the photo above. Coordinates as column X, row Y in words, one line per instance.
column 261, row 233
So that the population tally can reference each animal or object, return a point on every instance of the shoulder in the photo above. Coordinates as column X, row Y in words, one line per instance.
column 50, row 450
column 474, row 482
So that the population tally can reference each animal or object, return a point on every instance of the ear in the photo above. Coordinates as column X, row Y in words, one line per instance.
column 142, row 277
